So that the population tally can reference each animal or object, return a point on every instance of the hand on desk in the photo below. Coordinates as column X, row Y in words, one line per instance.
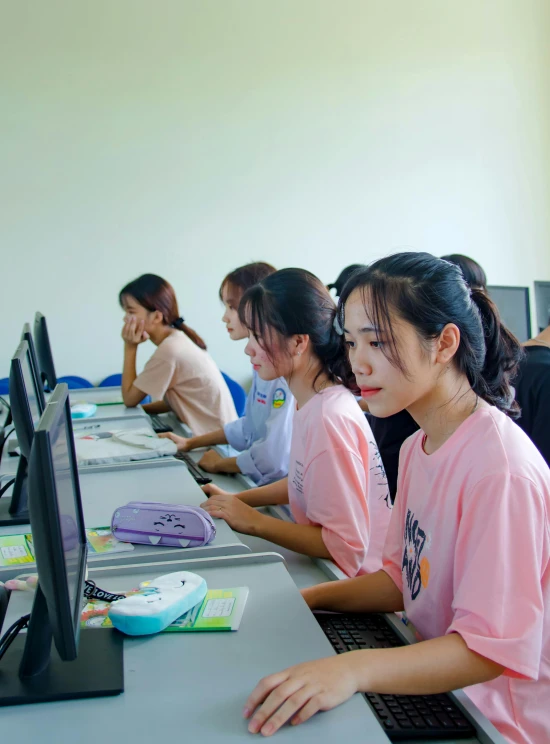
column 239, row 516
column 210, row 460
column 211, row 490
column 299, row 692
column 182, row 443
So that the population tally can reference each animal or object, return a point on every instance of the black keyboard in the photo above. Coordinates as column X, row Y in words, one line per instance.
column 193, row 468
column 403, row 717
column 159, row 426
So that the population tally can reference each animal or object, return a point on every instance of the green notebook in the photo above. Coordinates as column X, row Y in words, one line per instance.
column 221, row 609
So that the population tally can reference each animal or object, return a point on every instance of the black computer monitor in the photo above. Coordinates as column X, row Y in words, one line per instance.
column 515, row 309
column 38, row 386
column 542, row 300
column 26, row 411
column 87, row 664
column 44, row 351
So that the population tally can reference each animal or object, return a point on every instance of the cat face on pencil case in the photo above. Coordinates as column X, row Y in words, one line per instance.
column 168, row 525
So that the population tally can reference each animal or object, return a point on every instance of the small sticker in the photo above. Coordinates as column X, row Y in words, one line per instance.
column 279, row 398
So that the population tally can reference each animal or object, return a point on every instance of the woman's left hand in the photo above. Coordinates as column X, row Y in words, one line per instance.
column 210, row 460
column 239, row 516
column 299, row 692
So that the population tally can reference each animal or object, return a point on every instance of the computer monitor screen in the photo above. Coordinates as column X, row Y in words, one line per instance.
column 23, row 397
column 31, row 673
column 57, row 522
column 25, row 409
column 542, row 299
column 37, row 377
column 44, row 351
column 515, row 310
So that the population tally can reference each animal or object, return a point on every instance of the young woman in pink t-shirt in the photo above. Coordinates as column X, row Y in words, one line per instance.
column 336, row 485
column 468, row 548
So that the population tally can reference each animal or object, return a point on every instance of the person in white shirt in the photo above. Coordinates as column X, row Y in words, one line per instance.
column 262, row 436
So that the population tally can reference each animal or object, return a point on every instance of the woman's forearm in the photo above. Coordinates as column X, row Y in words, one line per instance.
column 374, row 592
column 273, row 493
column 157, row 406
column 424, row 668
column 208, row 440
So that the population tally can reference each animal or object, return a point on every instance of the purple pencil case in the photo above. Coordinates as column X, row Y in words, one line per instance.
column 169, row 525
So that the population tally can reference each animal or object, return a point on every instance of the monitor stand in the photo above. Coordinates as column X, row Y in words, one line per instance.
column 14, row 511
column 32, row 672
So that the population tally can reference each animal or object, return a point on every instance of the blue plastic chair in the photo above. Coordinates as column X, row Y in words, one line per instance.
column 237, row 393
column 111, row 381
column 74, row 382
column 116, row 381
column 5, row 386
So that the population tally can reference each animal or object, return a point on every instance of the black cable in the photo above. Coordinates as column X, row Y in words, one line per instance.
column 4, row 438
column 9, row 419
column 6, row 486
column 11, row 633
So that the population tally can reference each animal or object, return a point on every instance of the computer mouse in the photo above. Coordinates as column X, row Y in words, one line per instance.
column 83, row 410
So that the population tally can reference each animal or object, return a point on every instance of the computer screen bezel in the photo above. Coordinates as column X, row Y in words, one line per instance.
column 546, row 317
column 44, row 350
column 19, row 400
column 26, row 335
column 46, row 527
column 527, row 300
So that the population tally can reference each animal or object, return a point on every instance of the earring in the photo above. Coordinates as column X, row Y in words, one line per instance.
column 299, row 353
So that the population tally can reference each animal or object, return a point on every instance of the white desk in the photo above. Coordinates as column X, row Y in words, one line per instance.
column 106, row 395
column 192, row 687
column 102, row 493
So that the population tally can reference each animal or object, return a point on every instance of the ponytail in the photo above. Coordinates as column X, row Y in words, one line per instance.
column 179, row 323
column 428, row 293
column 503, row 352
column 154, row 293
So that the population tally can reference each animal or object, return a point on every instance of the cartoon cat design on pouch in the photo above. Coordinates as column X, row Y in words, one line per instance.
column 165, row 525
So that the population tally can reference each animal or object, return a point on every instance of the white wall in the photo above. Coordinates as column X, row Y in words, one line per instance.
column 186, row 138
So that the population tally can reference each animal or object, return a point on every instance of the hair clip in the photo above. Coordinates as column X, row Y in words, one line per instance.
column 337, row 327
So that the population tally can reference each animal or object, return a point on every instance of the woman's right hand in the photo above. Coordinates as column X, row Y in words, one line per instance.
column 211, row 490
column 133, row 332
column 310, row 596
column 182, row 443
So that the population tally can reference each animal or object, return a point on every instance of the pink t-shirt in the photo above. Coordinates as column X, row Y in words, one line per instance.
column 336, row 480
column 469, row 546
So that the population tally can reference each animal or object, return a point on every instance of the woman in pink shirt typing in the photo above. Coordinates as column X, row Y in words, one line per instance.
column 336, row 486
column 468, row 548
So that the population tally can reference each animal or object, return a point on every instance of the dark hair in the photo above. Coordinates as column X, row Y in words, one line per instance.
column 154, row 293
column 294, row 301
column 429, row 293
column 343, row 277
column 247, row 276
column 472, row 272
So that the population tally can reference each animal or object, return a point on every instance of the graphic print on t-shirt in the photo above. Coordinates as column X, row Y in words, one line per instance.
column 298, row 479
column 379, row 472
column 416, row 567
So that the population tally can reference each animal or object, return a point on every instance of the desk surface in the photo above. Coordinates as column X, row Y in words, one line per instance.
column 193, row 686
column 102, row 493
column 105, row 395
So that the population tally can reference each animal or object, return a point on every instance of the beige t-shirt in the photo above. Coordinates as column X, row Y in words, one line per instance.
column 187, row 378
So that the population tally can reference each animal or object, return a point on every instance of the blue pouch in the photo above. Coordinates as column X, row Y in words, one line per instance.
column 158, row 603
